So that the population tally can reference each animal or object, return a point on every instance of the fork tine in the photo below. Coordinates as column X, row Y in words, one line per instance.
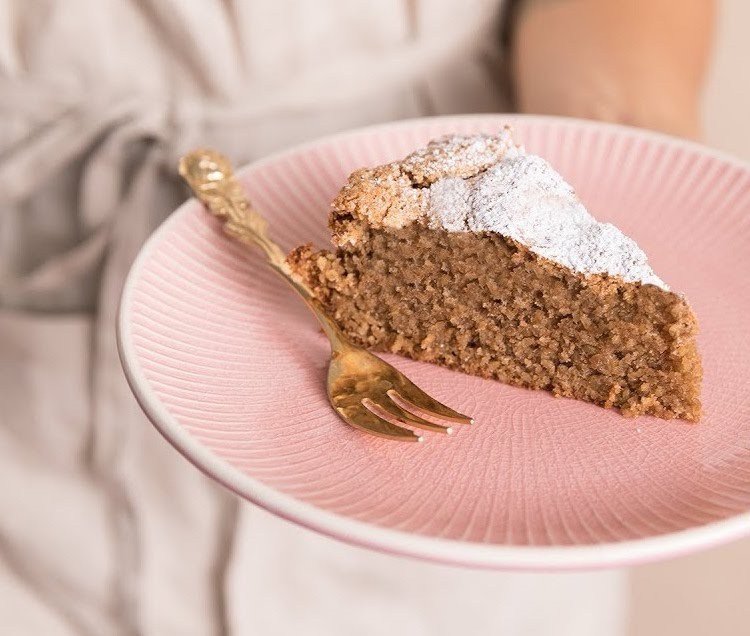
column 413, row 396
column 388, row 408
column 359, row 417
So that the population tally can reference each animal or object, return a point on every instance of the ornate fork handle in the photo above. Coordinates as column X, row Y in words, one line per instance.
column 209, row 175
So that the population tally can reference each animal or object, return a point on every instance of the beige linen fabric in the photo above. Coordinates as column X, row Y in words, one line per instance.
column 105, row 529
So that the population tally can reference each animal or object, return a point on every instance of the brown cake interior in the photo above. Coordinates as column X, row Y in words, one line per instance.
column 486, row 305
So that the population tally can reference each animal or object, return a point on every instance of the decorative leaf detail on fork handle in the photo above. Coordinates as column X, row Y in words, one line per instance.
column 211, row 178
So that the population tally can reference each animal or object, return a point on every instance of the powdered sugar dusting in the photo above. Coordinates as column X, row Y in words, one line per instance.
column 458, row 156
column 450, row 204
column 522, row 197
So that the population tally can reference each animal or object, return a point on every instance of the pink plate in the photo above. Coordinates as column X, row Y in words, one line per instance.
column 230, row 367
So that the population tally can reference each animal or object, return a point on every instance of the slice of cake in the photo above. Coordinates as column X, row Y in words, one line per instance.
column 472, row 254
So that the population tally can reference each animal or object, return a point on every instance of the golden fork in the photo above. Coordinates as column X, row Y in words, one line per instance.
column 368, row 393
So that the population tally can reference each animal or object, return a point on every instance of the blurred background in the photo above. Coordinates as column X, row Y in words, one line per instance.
column 95, row 540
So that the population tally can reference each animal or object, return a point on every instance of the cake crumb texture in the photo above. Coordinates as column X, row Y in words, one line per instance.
column 488, row 306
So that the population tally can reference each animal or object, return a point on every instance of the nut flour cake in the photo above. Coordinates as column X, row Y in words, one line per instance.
column 475, row 255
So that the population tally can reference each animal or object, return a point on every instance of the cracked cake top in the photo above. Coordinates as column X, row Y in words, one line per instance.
column 485, row 183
